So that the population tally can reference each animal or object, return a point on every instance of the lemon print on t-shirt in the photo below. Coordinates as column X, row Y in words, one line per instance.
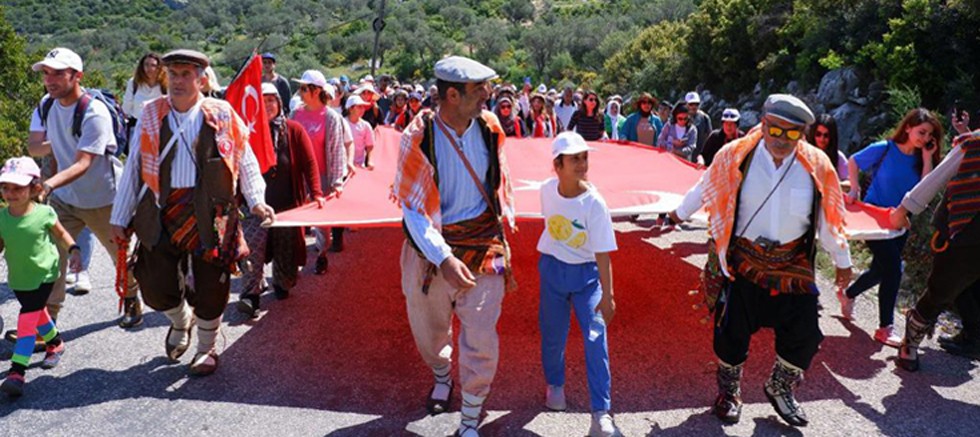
column 561, row 228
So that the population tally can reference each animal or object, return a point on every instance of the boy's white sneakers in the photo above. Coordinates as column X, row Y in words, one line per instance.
column 555, row 398
column 602, row 425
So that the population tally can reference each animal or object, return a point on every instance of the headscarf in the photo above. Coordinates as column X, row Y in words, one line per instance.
column 508, row 123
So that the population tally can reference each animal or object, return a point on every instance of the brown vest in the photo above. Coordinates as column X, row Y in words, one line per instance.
column 214, row 187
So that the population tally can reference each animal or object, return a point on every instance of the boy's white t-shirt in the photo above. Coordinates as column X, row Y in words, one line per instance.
column 577, row 228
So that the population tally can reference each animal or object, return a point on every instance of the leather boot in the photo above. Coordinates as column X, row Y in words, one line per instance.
column 779, row 390
column 916, row 329
column 728, row 404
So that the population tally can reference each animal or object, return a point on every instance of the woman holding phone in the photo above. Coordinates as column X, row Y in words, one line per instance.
column 894, row 165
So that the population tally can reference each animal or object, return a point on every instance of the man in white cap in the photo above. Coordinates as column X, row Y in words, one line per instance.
column 698, row 118
column 82, row 190
column 179, row 194
column 729, row 132
column 452, row 185
column 769, row 195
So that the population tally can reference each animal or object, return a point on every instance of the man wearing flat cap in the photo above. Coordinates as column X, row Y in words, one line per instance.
column 178, row 192
column 452, row 185
column 768, row 195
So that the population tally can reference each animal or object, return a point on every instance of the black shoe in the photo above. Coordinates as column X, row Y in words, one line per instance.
column 281, row 293
column 321, row 265
column 132, row 313
column 248, row 305
column 337, row 245
column 728, row 408
column 438, row 406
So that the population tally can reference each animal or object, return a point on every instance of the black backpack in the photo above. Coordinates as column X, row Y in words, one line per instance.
column 115, row 112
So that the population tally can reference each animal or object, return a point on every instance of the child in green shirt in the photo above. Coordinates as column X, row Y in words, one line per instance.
column 27, row 233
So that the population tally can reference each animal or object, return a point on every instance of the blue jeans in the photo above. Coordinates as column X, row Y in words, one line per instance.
column 886, row 272
column 85, row 241
column 565, row 287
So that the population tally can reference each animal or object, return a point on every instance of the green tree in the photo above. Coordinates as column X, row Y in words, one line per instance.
column 19, row 93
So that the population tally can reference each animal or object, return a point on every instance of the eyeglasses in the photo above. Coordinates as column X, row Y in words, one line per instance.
column 790, row 134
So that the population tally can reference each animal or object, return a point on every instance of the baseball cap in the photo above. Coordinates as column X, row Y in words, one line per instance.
column 269, row 56
column 692, row 97
column 60, row 58
column 730, row 114
column 367, row 87
column 20, row 171
column 542, row 89
column 312, row 77
column 568, row 143
column 268, row 88
column 355, row 100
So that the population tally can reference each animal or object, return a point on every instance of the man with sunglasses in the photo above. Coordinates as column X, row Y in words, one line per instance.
column 768, row 196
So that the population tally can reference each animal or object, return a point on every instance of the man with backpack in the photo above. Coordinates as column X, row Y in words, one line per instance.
column 79, row 128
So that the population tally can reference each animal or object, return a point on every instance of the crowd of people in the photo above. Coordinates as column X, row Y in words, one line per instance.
column 190, row 207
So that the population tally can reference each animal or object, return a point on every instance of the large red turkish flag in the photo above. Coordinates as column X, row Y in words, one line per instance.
column 245, row 95
column 633, row 179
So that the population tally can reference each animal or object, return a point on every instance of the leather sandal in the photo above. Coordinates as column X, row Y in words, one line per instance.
column 200, row 366
column 174, row 352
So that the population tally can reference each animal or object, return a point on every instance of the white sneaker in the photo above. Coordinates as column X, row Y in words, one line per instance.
column 83, row 284
column 886, row 336
column 846, row 305
column 554, row 398
column 602, row 425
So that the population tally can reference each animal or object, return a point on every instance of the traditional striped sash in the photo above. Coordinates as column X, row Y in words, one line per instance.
column 964, row 189
column 179, row 219
column 784, row 269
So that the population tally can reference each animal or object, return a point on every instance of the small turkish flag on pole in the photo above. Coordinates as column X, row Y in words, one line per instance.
column 245, row 95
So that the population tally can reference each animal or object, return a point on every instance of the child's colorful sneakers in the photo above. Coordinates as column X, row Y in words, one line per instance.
column 13, row 385
column 52, row 356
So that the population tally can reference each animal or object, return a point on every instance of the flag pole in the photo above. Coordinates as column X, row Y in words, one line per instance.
column 378, row 25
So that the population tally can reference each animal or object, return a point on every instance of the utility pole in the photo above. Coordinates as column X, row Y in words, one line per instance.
column 378, row 25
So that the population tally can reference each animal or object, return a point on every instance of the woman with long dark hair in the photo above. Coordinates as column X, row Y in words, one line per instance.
column 540, row 121
column 895, row 165
column 680, row 136
column 148, row 82
column 587, row 121
column 823, row 134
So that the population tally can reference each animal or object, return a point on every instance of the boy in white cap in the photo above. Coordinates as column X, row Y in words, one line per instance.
column 576, row 274
column 453, row 187
column 768, row 196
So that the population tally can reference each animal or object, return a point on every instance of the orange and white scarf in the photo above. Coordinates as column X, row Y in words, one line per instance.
column 415, row 185
column 231, row 137
column 723, row 181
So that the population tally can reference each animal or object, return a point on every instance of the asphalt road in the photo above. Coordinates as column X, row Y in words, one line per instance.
column 337, row 358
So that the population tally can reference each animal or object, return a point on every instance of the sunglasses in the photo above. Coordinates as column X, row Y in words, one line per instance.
column 682, row 118
column 645, row 102
column 790, row 134
column 591, row 100
column 819, row 134
column 502, row 107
